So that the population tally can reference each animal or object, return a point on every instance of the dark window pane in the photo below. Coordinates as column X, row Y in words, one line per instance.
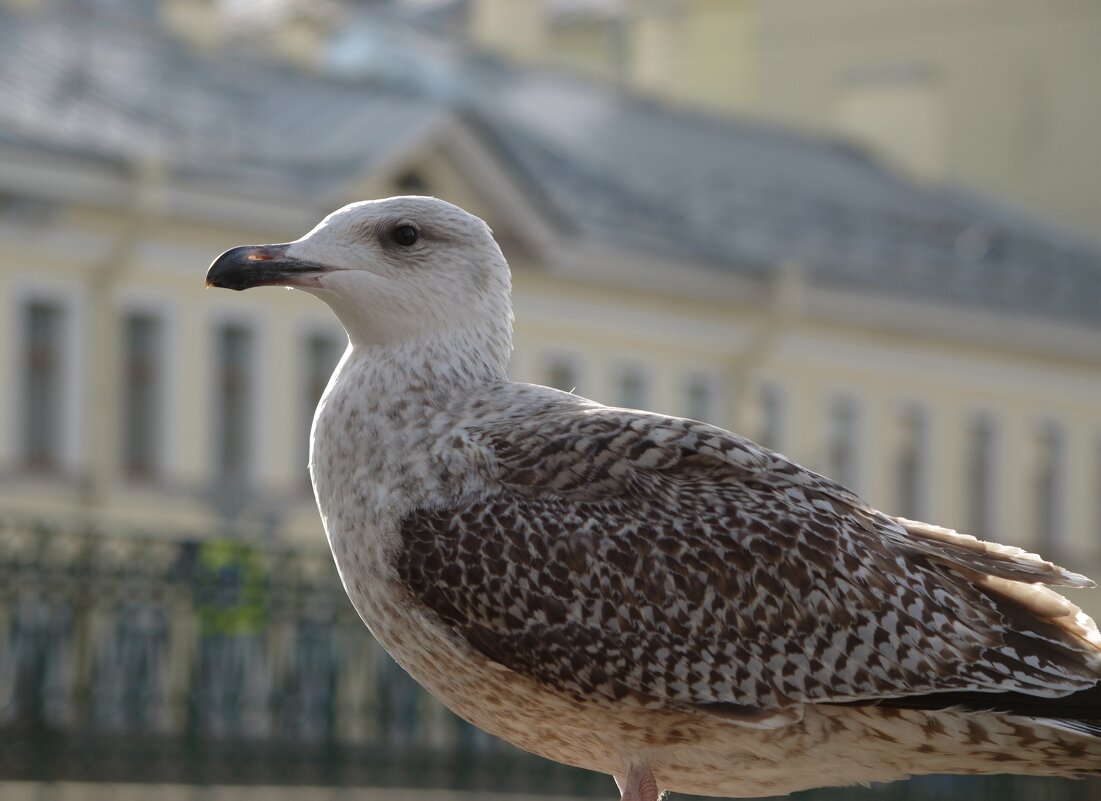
column 910, row 464
column 631, row 389
column 772, row 417
column 561, row 375
column 141, row 402
column 43, row 325
column 841, row 444
column 234, row 396
column 981, row 440
column 700, row 399
column 1048, row 489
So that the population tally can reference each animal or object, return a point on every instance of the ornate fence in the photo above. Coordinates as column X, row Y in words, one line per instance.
column 135, row 659
column 131, row 659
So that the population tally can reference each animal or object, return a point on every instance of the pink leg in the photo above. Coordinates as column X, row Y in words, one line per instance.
column 638, row 785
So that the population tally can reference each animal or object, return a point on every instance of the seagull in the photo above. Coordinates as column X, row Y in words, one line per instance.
column 642, row 595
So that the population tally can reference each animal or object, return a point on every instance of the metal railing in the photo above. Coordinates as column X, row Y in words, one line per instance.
column 128, row 658
column 211, row 661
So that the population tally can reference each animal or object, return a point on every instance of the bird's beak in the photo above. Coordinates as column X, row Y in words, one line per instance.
column 261, row 265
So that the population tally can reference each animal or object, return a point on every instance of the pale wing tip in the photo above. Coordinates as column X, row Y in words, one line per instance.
column 1056, row 576
column 1075, row 580
column 1015, row 563
column 1061, row 577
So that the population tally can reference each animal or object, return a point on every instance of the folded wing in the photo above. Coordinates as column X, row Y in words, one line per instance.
column 622, row 554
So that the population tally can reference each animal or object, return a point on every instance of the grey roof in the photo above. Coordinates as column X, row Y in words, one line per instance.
column 112, row 84
column 602, row 164
column 752, row 198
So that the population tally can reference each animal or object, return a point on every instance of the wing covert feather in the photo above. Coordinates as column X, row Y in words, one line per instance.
column 626, row 554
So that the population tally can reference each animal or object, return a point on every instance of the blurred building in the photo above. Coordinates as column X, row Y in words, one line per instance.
column 997, row 94
column 933, row 349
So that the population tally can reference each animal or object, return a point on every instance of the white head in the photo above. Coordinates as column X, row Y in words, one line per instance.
column 399, row 271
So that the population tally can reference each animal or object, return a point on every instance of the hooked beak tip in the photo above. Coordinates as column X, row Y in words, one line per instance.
column 260, row 265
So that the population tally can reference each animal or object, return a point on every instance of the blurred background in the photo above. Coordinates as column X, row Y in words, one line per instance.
column 865, row 233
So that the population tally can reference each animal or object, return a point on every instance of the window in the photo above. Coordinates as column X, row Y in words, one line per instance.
column 699, row 398
column 561, row 374
column 321, row 354
column 772, row 409
column 981, row 444
column 26, row 211
column 910, row 464
column 234, row 397
column 1048, row 489
column 1097, row 498
column 412, row 182
column 43, row 330
column 630, row 390
column 841, row 444
column 141, row 423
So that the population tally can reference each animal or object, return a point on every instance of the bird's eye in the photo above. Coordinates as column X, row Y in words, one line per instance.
column 405, row 235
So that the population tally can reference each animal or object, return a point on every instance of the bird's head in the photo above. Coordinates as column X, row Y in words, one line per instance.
column 397, row 270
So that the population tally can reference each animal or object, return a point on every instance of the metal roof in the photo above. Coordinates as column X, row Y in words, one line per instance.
column 752, row 198
column 114, row 85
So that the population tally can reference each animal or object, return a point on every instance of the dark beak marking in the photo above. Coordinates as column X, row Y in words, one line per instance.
column 259, row 265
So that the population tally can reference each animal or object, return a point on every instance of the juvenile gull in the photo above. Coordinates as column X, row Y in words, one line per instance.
column 642, row 595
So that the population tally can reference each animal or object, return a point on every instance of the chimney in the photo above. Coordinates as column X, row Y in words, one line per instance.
column 515, row 29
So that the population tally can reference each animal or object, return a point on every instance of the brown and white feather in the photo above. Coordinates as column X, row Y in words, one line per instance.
column 620, row 553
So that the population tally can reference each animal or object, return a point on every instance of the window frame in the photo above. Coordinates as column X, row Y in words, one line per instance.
column 624, row 367
column 572, row 360
column 856, row 446
column 971, row 514
column 919, row 410
column 73, row 415
column 304, row 333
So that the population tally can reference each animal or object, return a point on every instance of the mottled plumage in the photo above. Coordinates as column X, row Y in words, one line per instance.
column 644, row 595
column 753, row 584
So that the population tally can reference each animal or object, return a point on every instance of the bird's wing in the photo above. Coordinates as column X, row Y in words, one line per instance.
column 619, row 553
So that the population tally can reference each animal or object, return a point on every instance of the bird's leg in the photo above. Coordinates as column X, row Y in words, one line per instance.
column 638, row 785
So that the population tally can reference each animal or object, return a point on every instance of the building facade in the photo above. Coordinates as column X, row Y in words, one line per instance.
column 937, row 353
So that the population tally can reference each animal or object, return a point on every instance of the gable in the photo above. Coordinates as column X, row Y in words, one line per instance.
column 453, row 163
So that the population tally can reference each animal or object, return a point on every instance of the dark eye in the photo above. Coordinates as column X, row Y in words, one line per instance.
column 405, row 235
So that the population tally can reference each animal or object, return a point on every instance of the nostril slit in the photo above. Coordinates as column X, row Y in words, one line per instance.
column 258, row 257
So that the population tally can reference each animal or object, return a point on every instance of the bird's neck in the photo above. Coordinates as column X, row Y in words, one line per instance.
column 435, row 366
column 378, row 420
